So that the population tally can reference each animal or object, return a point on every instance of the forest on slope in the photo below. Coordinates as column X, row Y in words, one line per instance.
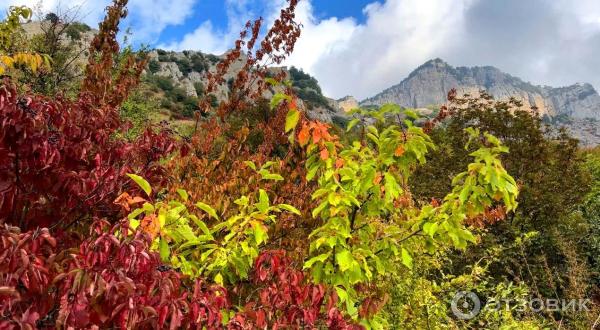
column 247, row 213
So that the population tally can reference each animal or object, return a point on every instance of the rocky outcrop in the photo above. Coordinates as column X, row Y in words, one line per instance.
column 429, row 84
column 347, row 103
column 577, row 106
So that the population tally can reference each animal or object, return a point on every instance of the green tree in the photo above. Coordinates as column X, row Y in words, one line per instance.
column 548, row 167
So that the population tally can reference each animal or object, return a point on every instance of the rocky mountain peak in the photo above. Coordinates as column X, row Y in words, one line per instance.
column 428, row 85
column 347, row 103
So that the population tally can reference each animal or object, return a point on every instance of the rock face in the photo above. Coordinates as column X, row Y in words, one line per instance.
column 577, row 106
column 429, row 84
column 347, row 103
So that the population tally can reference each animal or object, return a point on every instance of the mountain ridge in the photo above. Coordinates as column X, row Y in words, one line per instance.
column 429, row 83
column 576, row 107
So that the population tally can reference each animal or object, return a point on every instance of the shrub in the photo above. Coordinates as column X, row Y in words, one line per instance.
column 153, row 66
column 60, row 163
column 199, row 87
column 75, row 29
column 199, row 63
column 110, row 281
column 184, row 65
column 164, row 83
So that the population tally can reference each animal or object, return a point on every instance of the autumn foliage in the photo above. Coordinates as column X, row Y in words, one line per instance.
column 263, row 218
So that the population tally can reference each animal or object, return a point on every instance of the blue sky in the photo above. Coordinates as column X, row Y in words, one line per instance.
column 360, row 47
column 216, row 12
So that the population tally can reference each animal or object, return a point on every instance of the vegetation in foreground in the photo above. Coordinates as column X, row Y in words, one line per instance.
column 258, row 217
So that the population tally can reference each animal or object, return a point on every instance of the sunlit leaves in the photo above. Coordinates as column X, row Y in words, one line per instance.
column 223, row 250
column 363, row 201
column 142, row 183
column 291, row 120
column 208, row 209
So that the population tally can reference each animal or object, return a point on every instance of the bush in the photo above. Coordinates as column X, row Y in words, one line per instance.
column 153, row 66
column 199, row 87
column 164, row 83
column 75, row 29
column 199, row 63
column 184, row 65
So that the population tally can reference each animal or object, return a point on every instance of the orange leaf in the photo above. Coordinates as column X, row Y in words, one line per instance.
column 377, row 178
column 136, row 200
column 316, row 135
column 324, row 154
column 399, row 151
column 150, row 225
column 124, row 201
column 339, row 163
column 303, row 135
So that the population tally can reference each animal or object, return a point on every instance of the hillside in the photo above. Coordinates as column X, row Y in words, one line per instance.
column 576, row 106
column 183, row 75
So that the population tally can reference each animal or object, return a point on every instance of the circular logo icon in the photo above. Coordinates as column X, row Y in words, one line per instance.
column 465, row 305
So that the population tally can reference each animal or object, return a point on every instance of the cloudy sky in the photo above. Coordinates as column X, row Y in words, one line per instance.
column 360, row 47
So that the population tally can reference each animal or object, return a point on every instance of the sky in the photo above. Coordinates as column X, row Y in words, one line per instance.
column 360, row 47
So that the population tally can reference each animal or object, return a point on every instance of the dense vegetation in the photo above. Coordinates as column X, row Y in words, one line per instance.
column 258, row 216
column 307, row 88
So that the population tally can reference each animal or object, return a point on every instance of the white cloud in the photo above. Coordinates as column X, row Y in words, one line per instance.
column 207, row 38
column 148, row 18
column 362, row 59
column 204, row 38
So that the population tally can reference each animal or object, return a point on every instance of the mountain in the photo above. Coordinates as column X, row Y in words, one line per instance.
column 577, row 106
column 183, row 75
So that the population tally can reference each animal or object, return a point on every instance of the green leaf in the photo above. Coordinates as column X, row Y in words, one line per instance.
column 135, row 213
column 208, row 209
column 407, row 259
column 163, row 249
column 260, row 233
column 320, row 258
column 133, row 224
column 291, row 120
column 219, row 279
column 278, row 98
column 183, row 194
column 319, row 209
column 271, row 81
column 351, row 124
column 263, row 201
column 202, row 226
column 250, row 164
column 342, row 294
column 272, row 176
column 289, row 208
column 430, row 228
column 141, row 182
column 344, row 259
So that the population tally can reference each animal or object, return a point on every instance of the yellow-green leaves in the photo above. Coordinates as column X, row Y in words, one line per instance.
column 8, row 61
column 208, row 209
column 370, row 224
column 142, row 183
column 265, row 171
column 291, row 119
column 278, row 98
column 263, row 201
column 289, row 208
column 224, row 250
column 163, row 248
column 407, row 259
